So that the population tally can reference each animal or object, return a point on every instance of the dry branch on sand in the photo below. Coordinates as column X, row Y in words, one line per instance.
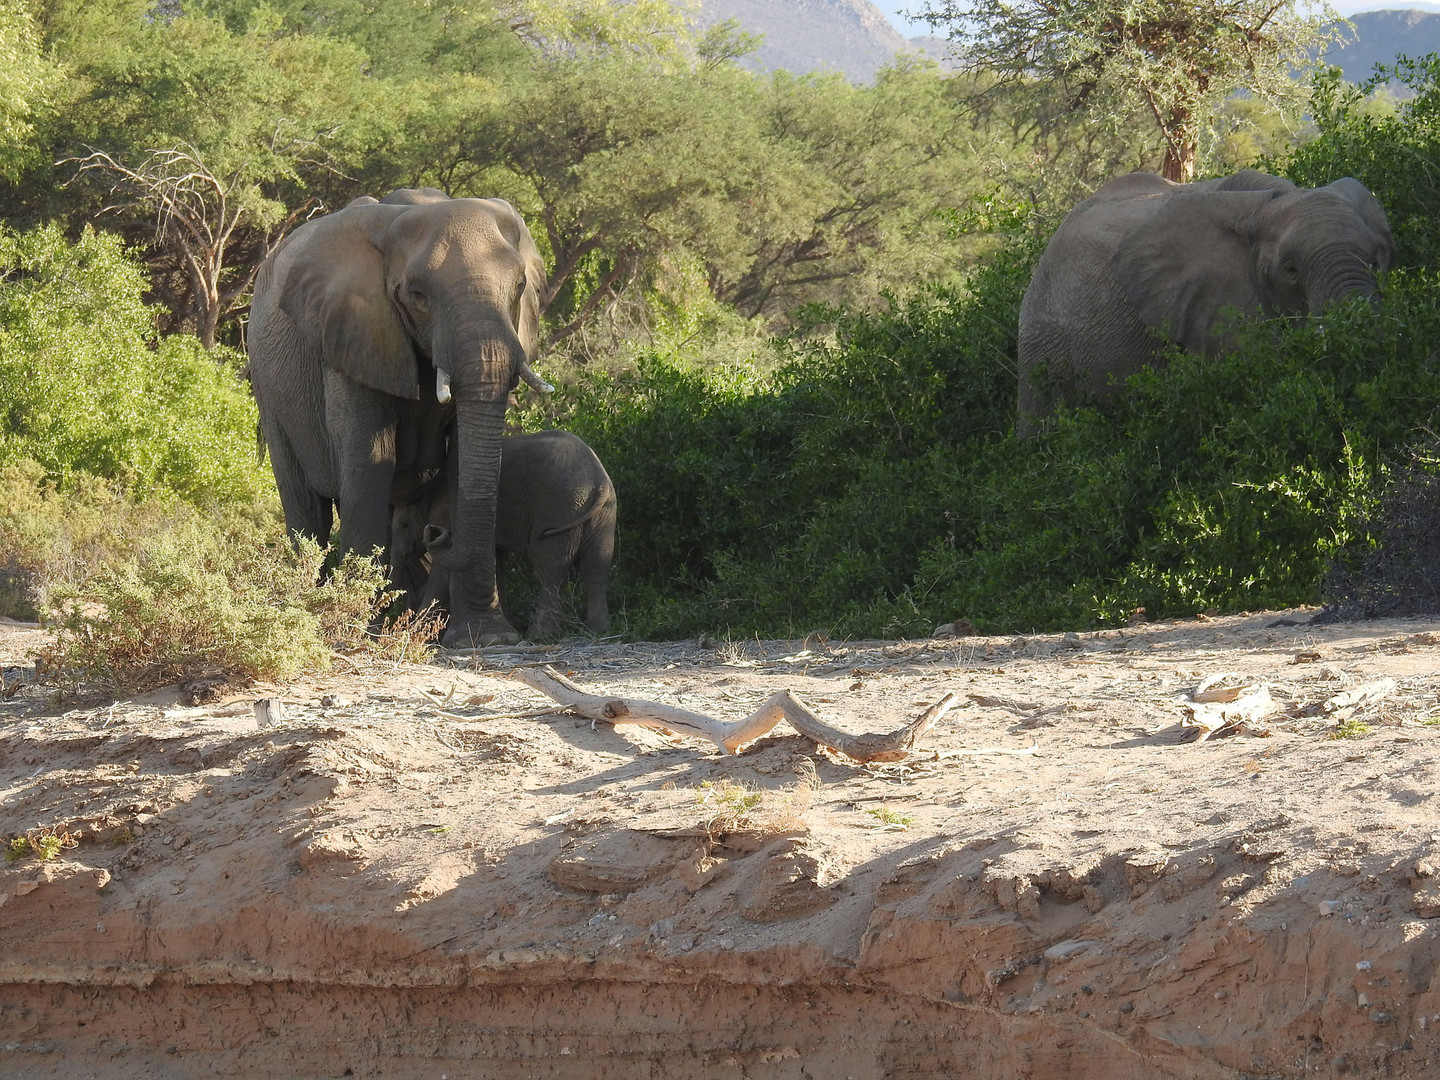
column 729, row 737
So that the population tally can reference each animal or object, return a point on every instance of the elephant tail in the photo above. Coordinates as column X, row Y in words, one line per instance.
column 602, row 499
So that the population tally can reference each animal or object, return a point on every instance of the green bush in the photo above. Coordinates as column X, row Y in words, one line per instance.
column 871, row 484
column 209, row 595
column 88, row 387
column 50, row 537
column 1395, row 154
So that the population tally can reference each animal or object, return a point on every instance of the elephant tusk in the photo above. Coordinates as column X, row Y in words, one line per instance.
column 535, row 382
column 442, row 385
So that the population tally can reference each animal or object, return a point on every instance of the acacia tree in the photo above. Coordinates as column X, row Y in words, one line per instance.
column 1175, row 60
column 202, row 219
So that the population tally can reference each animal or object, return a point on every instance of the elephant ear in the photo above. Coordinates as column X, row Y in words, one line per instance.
column 415, row 196
column 1255, row 180
column 1370, row 212
column 512, row 227
column 1191, row 261
column 335, row 294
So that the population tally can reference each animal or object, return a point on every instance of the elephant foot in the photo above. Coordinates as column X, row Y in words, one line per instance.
column 544, row 628
column 478, row 633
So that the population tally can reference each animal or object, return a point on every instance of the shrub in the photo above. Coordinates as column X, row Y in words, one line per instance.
column 1396, row 154
column 871, row 483
column 88, row 388
column 50, row 537
column 226, row 595
column 1392, row 565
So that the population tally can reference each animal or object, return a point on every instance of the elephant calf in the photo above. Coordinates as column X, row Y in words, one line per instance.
column 556, row 507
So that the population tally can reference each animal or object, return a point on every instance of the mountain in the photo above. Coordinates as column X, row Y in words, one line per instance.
column 849, row 36
column 1381, row 36
column 855, row 37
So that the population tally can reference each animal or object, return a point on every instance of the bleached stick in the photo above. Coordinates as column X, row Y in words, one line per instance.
column 729, row 737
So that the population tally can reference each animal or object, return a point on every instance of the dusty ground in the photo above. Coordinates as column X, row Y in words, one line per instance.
column 384, row 886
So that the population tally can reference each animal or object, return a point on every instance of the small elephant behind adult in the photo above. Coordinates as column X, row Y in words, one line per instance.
column 1144, row 259
column 556, row 507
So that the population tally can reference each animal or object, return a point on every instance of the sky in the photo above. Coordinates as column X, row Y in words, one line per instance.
column 896, row 8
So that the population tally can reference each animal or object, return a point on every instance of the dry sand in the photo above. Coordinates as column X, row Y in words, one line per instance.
column 403, row 879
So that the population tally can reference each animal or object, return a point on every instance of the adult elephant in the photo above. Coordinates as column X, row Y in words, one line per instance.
column 1145, row 255
column 375, row 331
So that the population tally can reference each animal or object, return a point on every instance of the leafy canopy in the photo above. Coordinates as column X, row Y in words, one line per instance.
column 1175, row 61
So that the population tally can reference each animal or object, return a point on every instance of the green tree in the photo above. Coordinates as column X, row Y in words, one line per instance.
column 270, row 116
column 27, row 80
column 1173, row 60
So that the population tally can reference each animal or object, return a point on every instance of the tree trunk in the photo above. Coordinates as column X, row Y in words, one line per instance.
column 1180, row 162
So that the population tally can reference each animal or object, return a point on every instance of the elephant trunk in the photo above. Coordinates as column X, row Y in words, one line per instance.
column 1345, row 275
column 481, row 360
column 479, row 423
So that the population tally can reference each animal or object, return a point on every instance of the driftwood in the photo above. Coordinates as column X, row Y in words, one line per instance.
column 729, row 737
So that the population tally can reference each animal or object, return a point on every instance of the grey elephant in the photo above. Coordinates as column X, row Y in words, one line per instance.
column 384, row 340
column 1145, row 255
column 556, row 507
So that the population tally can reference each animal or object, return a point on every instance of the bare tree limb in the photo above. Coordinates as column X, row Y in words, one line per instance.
column 729, row 737
column 198, row 218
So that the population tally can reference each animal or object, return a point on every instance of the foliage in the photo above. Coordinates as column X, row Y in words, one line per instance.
column 228, row 594
column 87, row 387
column 1391, row 565
column 732, row 807
column 873, row 486
column 1394, row 150
column 27, row 80
column 50, row 537
column 1173, row 61
column 651, row 166
column 43, row 844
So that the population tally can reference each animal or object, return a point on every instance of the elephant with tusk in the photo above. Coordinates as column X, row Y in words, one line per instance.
column 1144, row 260
column 384, row 341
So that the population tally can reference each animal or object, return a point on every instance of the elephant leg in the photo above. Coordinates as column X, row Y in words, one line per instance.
column 551, row 556
column 307, row 513
column 362, row 426
column 501, row 558
column 594, row 564
column 437, row 585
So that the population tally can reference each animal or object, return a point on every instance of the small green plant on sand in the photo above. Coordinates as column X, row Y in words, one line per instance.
column 43, row 844
column 740, row 808
column 1353, row 728
column 889, row 818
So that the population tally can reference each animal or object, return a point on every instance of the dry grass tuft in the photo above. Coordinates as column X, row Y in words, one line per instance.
column 734, row 807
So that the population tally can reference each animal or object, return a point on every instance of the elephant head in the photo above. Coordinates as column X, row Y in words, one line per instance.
column 426, row 300
column 1254, row 243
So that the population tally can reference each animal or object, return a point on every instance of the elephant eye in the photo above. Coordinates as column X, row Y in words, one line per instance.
column 1291, row 271
column 419, row 300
